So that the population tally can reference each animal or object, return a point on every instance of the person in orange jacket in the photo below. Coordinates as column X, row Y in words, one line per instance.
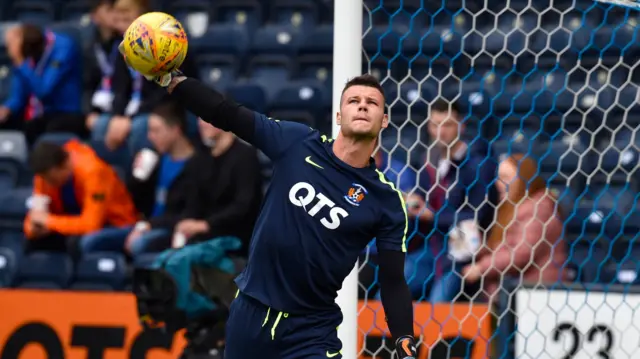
column 75, row 193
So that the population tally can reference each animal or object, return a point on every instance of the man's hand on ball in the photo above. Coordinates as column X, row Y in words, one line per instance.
column 406, row 348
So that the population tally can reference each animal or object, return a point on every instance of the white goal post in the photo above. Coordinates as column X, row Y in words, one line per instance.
column 347, row 60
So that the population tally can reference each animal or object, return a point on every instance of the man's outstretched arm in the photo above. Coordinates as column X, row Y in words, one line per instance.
column 271, row 136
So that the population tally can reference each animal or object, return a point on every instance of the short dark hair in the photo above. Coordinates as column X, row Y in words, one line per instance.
column 33, row 41
column 96, row 4
column 172, row 114
column 46, row 156
column 367, row 80
column 442, row 105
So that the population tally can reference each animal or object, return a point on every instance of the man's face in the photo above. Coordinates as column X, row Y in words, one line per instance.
column 13, row 40
column 162, row 136
column 58, row 176
column 208, row 133
column 362, row 112
column 444, row 128
column 123, row 16
column 103, row 16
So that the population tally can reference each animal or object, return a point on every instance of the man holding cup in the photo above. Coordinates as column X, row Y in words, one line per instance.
column 74, row 193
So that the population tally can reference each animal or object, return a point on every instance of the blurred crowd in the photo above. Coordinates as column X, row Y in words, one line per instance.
column 139, row 174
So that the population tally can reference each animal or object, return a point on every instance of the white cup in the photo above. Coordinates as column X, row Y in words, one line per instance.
column 179, row 240
column 39, row 202
column 144, row 163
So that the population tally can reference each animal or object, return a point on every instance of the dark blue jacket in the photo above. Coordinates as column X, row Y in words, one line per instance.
column 58, row 86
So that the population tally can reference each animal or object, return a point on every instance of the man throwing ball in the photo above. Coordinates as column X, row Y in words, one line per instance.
column 325, row 203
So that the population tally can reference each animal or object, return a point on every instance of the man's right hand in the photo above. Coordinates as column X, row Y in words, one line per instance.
column 119, row 128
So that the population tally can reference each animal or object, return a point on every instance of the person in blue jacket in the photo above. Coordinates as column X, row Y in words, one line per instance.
column 46, row 83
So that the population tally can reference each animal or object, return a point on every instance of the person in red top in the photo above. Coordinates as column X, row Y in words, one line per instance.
column 526, row 240
column 74, row 193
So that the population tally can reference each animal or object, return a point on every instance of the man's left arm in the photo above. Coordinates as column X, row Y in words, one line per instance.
column 62, row 61
column 94, row 206
column 394, row 291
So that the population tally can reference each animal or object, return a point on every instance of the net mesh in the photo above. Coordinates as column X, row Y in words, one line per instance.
column 555, row 80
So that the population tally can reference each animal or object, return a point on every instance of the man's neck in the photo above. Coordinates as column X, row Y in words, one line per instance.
column 181, row 150
column 105, row 34
column 222, row 144
column 354, row 152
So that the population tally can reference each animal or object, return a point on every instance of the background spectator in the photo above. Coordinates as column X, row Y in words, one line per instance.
column 229, row 193
column 525, row 242
column 100, row 59
column 135, row 97
column 83, row 194
column 46, row 86
column 452, row 190
column 161, row 193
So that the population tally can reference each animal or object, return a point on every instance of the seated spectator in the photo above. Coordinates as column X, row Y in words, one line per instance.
column 83, row 194
column 135, row 97
column 100, row 60
column 229, row 193
column 160, row 190
column 457, row 186
column 46, row 86
column 525, row 242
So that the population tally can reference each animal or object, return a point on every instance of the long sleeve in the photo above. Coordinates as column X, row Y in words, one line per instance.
column 523, row 243
column 94, row 205
column 58, row 67
column 18, row 94
column 122, row 87
column 273, row 137
column 395, row 293
column 246, row 177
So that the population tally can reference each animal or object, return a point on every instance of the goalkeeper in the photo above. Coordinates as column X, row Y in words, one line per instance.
column 325, row 203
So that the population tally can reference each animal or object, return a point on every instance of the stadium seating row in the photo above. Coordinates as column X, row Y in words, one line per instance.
column 105, row 271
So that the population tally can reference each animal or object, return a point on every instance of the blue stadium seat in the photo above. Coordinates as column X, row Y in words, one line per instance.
column 595, row 221
column 272, row 49
column 301, row 14
column 100, row 271
column 250, row 95
column 8, row 267
column 300, row 102
column 13, row 240
column 616, row 40
column 315, row 56
column 586, row 261
column 34, row 12
column 59, row 138
column 14, row 205
column 192, row 14
column 244, row 13
column 145, row 260
column 13, row 158
column 227, row 42
column 216, row 73
column 46, row 270
column 75, row 11
column 621, row 155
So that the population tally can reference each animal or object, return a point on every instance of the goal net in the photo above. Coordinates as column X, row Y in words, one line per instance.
column 556, row 81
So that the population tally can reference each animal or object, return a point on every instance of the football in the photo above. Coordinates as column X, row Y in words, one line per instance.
column 154, row 44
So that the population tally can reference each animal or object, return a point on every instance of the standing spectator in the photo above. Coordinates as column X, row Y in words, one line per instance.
column 83, row 194
column 162, row 194
column 101, row 58
column 459, row 187
column 135, row 97
column 229, row 193
column 46, row 86
column 525, row 242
